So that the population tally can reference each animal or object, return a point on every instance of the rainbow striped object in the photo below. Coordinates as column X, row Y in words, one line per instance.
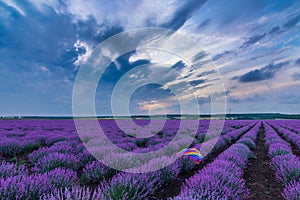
column 193, row 154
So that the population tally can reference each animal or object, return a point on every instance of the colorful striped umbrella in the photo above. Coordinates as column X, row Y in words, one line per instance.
column 193, row 154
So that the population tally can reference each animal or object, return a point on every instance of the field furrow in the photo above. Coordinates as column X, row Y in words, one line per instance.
column 259, row 176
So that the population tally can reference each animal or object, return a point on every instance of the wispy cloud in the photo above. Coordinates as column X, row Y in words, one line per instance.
column 153, row 105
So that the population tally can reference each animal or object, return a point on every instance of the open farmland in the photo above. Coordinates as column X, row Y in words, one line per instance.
column 149, row 100
column 252, row 159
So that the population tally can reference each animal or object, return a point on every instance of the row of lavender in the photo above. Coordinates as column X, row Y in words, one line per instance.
column 64, row 158
column 292, row 125
column 222, row 179
column 291, row 136
column 284, row 162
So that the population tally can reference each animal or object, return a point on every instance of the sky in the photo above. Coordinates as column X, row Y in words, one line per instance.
column 254, row 47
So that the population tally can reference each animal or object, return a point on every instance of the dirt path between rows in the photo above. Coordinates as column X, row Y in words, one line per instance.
column 259, row 176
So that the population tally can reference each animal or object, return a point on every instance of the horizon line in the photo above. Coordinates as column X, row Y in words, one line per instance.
column 145, row 115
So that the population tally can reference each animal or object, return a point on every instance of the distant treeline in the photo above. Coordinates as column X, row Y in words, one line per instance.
column 173, row 116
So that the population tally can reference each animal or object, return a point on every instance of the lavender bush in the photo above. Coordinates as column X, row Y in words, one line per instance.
column 34, row 186
column 131, row 186
column 284, row 162
column 11, row 169
column 290, row 136
column 95, row 172
column 54, row 160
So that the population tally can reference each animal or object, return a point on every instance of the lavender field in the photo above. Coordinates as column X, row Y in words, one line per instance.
column 252, row 159
column 149, row 100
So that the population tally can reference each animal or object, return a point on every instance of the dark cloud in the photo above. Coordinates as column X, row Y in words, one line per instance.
column 89, row 30
column 39, row 37
column 221, row 55
column 151, row 91
column 297, row 62
column 292, row 22
column 199, row 56
column 264, row 73
column 253, row 40
column 288, row 25
column 179, row 65
column 274, row 30
column 205, row 73
column 255, row 57
column 47, row 37
column 197, row 82
column 184, row 13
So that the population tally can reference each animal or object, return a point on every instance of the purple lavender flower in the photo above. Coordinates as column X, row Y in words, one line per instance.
column 216, row 184
column 61, row 178
column 74, row 193
column 279, row 148
column 289, row 135
column 128, row 146
column 10, row 147
column 287, row 168
column 96, row 171
column 249, row 142
column 10, row 169
column 292, row 191
column 32, row 187
column 285, row 163
column 54, row 160
column 85, row 157
column 35, row 155
column 23, row 187
column 232, row 157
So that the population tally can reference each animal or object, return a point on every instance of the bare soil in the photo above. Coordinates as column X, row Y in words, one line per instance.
column 259, row 176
